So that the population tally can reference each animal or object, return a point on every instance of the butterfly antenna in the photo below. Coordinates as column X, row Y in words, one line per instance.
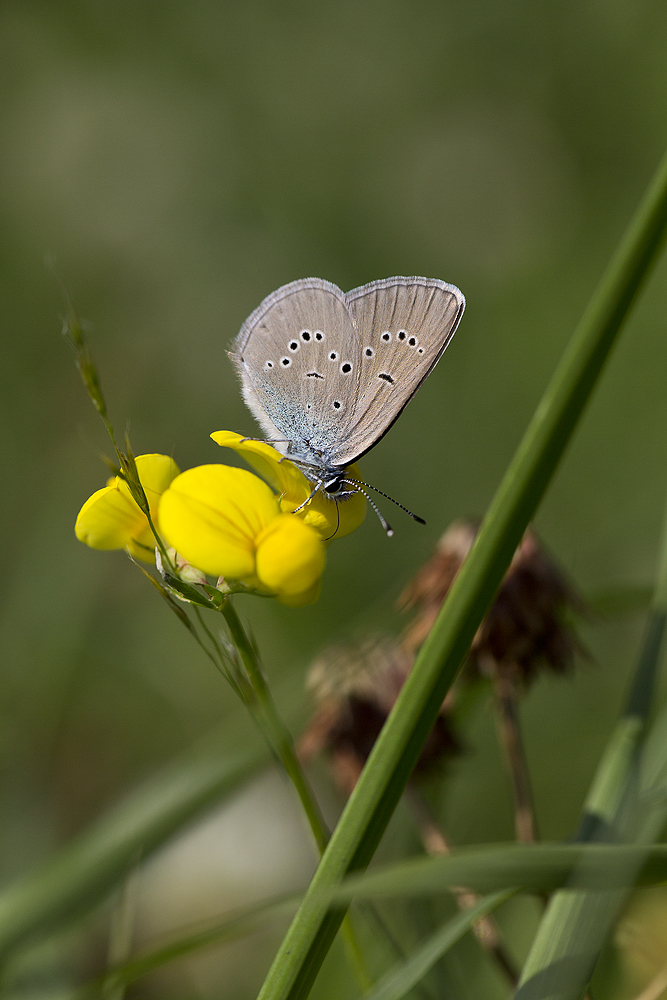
column 359, row 489
column 415, row 517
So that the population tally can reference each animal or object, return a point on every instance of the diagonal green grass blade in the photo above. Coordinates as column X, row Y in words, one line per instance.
column 397, row 983
column 396, row 751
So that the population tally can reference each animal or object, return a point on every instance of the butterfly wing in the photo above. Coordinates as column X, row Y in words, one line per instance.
column 403, row 325
column 299, row 362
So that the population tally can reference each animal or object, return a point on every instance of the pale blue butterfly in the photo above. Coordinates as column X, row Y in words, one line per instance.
column 326, row 372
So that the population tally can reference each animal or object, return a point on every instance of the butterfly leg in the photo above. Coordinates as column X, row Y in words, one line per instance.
column 318, row 486
column 265, row 440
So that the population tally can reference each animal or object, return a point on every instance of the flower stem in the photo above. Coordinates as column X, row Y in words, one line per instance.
column 264, row 711
column 509, row 731
column 266, row 714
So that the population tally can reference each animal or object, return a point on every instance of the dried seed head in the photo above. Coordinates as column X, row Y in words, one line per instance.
column 527, row 625
column 355, row 688
column 374, row 669
column 428, row 589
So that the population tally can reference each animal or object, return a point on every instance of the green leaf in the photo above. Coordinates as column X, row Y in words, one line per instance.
column 538, row 868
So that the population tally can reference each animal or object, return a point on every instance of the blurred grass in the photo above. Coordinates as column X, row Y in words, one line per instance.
column 182, row 160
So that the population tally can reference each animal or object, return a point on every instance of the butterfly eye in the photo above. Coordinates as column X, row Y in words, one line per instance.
column 286, row 362
column 369, row 352
column 293, row 345
column 386, row 336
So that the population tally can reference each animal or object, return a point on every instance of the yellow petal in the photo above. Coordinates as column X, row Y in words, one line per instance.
column 212, row 515
column 281, row 475
column 290, row 556
column 110, row 519
column 301, row 600
column 156, row 472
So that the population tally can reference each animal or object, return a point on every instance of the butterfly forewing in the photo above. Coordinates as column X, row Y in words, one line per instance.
column 403, row 326
column 298, row 357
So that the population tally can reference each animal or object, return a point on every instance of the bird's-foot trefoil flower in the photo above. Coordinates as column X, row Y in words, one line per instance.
column 229, row 524
column 226, row 522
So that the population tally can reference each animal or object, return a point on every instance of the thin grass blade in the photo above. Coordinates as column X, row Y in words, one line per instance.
column 538, row 868
column 235, row 926
column 399, row 744
column 399, row 981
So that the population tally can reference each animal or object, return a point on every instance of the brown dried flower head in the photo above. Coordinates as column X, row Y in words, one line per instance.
column 355, row 688
column 527, row 626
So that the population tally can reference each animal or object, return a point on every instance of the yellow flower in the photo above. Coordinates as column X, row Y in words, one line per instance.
column 110, row 519
column 284, row 477
column 228, row 523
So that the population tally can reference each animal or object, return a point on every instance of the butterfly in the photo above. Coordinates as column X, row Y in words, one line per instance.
column 326, row 372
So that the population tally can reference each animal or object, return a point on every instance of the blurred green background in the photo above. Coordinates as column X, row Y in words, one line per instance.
column 179, row 161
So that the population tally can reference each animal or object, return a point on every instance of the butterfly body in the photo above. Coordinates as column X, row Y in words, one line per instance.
column 326, row 373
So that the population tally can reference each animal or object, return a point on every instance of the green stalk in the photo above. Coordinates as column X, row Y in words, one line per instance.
column 400, row 742
column 264, row 710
